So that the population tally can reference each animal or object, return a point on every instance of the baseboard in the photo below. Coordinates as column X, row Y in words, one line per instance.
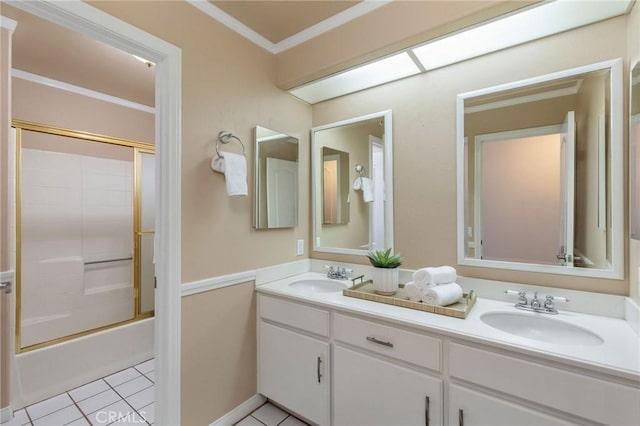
column 6, row 414
column 241, row 411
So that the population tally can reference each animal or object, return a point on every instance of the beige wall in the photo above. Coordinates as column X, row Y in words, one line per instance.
column 227, row 84
column 633, row 38
column 424, row 109
column 218, row 352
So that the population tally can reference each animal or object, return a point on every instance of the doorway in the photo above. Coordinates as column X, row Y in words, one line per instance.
column 84, row 18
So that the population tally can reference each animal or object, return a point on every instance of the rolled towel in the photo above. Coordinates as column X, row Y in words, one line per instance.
column 234, row 168
column 442, row 295
column 413, row 291
column 436, row 276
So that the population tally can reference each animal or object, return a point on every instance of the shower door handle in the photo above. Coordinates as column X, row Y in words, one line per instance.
column 6, row 287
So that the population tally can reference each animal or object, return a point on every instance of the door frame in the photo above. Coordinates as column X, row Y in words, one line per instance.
column 86, row 19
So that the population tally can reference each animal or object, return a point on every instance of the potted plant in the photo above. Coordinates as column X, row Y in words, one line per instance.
column 385, row 271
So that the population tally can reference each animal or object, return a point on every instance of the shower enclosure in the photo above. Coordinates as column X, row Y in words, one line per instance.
column 84, row 233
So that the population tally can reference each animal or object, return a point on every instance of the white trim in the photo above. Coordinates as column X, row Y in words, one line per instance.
column 213, row 283
column 82, row 17
column 329, row 24
column 232, row 23
column 307, row 34
column 241, row 411
column 283, row 270
column 34, row 78
column 8, row 23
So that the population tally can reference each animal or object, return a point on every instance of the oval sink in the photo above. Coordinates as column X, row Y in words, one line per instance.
column 318, row 286
column 540, row 328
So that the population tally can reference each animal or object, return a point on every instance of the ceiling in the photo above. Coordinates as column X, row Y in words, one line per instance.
column 279, row 20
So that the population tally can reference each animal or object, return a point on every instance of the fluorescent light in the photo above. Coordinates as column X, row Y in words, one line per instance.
column 531, row 24
column 366, row 76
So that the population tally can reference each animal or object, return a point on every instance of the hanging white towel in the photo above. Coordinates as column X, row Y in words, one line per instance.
column 234, row 168
column 442, row 295
column 366, row 186
column 435, row 276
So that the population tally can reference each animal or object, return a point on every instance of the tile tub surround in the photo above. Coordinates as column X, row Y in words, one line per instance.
column 618, row 356
column 126, row 396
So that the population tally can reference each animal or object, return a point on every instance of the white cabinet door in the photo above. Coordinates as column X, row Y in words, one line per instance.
column 369, row 391
column 471, row 408
column 293, row 371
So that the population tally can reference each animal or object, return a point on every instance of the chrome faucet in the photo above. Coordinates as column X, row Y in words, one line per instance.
column 546, row 307
column 338, row 272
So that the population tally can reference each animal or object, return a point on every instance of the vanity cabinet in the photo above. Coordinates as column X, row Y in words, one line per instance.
column 293, row 366
column 375, row 392
column 471, row 408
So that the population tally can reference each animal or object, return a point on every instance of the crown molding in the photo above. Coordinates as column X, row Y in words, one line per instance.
column 80, row 90
column 307, row 34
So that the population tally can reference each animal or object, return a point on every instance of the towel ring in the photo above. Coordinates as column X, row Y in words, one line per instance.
column 225, row 138
column 360, row 169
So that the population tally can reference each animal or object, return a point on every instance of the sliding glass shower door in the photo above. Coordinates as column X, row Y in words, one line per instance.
column 81, row 202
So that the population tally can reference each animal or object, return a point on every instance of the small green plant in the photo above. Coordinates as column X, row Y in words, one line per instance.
column 384, row 259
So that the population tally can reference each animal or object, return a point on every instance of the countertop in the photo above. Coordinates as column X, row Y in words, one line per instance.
column 618, row 356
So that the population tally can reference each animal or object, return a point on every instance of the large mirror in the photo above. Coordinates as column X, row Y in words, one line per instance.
column 276, row 180
column 352, row 168
column 634, row 152
column 540, row 174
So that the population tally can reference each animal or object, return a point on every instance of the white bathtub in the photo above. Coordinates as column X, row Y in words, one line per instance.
column 46, row 372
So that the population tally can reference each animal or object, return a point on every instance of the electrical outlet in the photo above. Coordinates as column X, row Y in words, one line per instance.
column 300, row 247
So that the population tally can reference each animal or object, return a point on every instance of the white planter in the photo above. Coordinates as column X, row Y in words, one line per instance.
column 385, row 281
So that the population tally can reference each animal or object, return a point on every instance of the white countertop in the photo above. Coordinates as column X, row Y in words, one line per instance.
column 619, row 355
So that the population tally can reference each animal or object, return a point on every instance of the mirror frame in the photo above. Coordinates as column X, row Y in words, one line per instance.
column 634, row 168
column 616, row 175
column 388, row 180
column 256, row 181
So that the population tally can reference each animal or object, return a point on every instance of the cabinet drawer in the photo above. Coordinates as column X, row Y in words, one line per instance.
column 294, row 315
column 594, row 399
column 391, row 341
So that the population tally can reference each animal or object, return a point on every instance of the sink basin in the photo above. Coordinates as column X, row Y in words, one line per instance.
column 318, row 286
column 544, row 329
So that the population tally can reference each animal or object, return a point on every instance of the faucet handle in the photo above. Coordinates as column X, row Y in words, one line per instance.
column 522, row 296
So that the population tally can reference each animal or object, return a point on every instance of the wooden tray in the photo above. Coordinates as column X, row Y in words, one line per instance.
column 365, row 291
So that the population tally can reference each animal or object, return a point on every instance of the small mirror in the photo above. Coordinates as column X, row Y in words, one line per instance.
column 276, row 180
column 352, row 185
column 634, row 152
column 540, row 174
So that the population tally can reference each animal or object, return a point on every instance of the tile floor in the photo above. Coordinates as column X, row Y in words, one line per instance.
column 270, row 415
column 126, row 397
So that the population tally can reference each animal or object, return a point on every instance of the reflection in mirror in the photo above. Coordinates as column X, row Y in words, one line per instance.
column 352, row 185
column 276, row 180
column 634, row 152
column 540, row 167
column 335, row 187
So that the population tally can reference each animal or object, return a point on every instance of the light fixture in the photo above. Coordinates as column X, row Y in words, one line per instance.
column 531, row 23
column 363, row 77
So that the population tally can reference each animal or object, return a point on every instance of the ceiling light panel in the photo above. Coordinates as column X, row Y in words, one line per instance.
column 535, row 23
column 364, row 77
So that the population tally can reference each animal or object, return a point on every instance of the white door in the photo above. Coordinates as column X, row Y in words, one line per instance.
column 471, row 408
column 282, row 193
column 376, row 207
column 293, row 371
column 567, row 189
column 369, row 391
